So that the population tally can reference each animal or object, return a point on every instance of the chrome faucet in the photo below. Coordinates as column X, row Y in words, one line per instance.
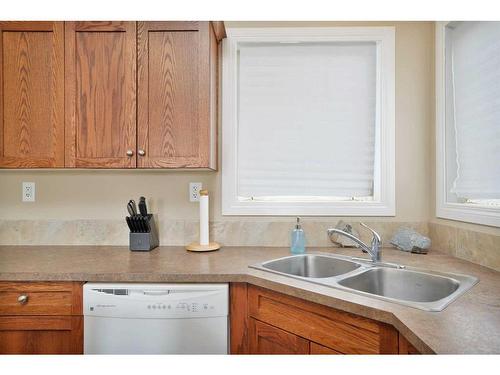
column 373, row 250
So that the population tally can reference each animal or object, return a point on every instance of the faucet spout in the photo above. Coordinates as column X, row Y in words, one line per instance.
column 373, row 250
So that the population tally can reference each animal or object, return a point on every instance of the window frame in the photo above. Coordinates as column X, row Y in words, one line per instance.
column 444, row 209
column 384, row 196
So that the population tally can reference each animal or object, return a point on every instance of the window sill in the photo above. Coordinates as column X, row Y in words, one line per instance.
column 469, row 214
column 351, row 208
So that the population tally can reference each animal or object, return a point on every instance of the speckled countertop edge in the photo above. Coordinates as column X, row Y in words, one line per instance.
column 429, row 332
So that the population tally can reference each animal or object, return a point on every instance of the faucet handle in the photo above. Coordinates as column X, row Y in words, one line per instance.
column 376, row 236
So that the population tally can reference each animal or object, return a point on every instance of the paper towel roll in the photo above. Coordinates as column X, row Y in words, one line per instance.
column 204, row 239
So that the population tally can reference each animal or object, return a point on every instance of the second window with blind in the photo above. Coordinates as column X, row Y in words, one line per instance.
column 308, row 122
column 468, row 121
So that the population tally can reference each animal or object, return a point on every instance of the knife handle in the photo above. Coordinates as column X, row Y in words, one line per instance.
column 142, row 206
column 129, row 223
column 131, row 207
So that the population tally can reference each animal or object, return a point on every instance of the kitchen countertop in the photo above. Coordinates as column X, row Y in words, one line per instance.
column 471, row 324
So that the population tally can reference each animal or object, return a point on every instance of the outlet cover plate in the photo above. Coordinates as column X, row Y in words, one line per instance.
column 194, row 191
column 28, row 191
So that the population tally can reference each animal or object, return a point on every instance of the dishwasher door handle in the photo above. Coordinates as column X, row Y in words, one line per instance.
column 156, row 292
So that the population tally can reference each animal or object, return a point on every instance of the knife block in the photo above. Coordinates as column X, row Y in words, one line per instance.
column 145, row 241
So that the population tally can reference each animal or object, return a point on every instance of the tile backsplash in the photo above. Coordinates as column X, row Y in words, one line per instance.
column 476, row 247
column 181, row 232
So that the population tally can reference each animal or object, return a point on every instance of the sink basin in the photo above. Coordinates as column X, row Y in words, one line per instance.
column 402, row 284
column 414, row 287
column 311, row 266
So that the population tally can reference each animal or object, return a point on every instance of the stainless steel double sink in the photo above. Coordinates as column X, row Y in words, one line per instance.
column 421, row 289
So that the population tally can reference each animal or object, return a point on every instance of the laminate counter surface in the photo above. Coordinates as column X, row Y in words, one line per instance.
column 471, row 324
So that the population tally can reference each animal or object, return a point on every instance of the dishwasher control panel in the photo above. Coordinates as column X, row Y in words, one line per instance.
column 193, row 307
column 127, row 300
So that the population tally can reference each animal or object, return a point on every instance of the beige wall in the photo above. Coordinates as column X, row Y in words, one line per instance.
column 68, row 201
column 67, row 195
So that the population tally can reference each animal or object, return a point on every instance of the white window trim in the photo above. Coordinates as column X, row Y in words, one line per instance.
column 447, row 210
column 384, row 205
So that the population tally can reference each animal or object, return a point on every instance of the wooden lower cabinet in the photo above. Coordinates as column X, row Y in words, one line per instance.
column 268, row 322
column 266, row 339
column 46, row 318
column 320, row 349
column 41, row 318
column 405, row 347
column 41, row 335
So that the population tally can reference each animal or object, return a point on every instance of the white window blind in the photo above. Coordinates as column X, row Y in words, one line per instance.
column 307, row 119
column 473, row 109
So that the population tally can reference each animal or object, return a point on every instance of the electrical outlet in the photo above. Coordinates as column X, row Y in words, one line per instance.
column 194, row 191
column 28, row 191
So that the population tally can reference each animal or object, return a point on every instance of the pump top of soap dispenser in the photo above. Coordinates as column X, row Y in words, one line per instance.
column 298, row 240
column 297, row 225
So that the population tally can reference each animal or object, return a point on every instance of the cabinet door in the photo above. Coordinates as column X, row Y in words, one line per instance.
column 31, row 94
column 100, row 81
column 176, row 95
column 320, row 349
column 41, row 318
column 266, row 339
column 343, row 332
column 41, row 335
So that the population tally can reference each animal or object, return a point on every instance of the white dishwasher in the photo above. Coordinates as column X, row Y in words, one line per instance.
column 130, row 318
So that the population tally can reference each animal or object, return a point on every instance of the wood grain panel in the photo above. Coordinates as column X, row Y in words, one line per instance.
column 39, row 303
column 219, row 30
column 266, row 339
column 93, row 26
column 32, row 94
column 35, row 342
column 405, row 347
column 100, row 94
column 41, row 335
column 51, row 321
column 172, row 25
column 320, row 349
column 77, row 298
column 99, row 83
column 311, row 321
column 214, row 99
column 172, row 83
column 358, row 321
column 38, row 286
column 388, row 342
column 35, row 323
column 76, row 339
column 44, row 298
column 174, row 95
column 238, row 315
column 28, row 25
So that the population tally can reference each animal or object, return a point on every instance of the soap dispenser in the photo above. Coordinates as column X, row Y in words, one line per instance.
column 298, row 243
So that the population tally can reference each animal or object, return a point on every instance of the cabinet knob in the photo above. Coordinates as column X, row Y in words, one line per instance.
column 22, row 299
column 130, row 153
column 141, row 152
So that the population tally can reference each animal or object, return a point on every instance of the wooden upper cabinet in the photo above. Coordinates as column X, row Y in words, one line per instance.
column 31, row 94
column 109, row 94
column 177, row 94
column 100, row 83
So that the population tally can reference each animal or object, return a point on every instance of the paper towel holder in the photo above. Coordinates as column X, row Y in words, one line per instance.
column 209, row 246
column 195, row 246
